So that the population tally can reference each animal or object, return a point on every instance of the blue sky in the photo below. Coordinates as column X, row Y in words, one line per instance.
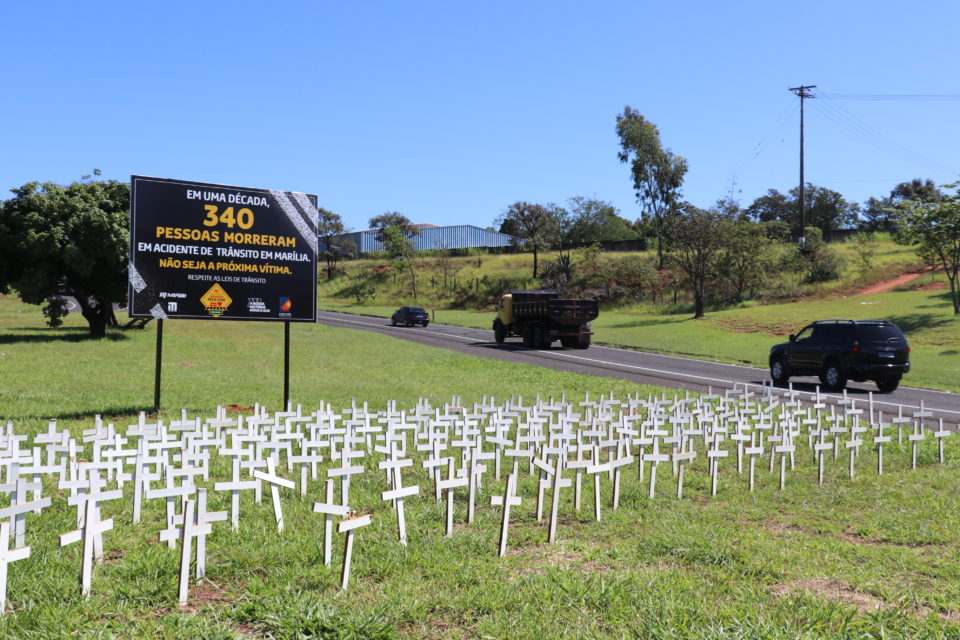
column 449, row 111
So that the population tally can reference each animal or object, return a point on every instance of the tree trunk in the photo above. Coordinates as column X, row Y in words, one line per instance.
column 98, row 314
column 534, row 262
column 697, row 304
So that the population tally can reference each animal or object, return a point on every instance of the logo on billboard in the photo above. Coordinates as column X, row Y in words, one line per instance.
column 257, row 305
column 286, row 304
column 216, row 301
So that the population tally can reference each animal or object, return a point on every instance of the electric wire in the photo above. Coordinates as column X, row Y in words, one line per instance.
column 846, row 120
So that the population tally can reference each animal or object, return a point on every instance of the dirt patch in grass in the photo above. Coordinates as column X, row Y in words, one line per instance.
column 439, row 627
column 738, row 324
column 843, row 591
column 541, row 557
column 831, row 589
column 895, row 283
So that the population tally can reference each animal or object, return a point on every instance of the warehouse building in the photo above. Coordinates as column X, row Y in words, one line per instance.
column 432, row 237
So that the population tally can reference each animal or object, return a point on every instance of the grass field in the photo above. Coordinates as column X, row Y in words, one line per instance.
column 873, row 557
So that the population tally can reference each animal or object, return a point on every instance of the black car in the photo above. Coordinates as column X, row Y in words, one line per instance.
column 841, row 350
column 410, row 316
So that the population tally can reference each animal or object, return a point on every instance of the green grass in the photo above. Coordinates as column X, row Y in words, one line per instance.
column 866, row 558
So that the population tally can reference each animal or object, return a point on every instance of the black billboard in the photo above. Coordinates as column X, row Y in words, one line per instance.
column 215, row 251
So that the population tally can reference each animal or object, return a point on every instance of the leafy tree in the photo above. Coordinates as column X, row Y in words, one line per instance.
column 333, row 245
column 743, row 259
column 881, row 214
column 595, row 221
column 696, row 238
column 533, row 225
column 657, row 172
column 826, row 209
column 772, row 206
column 394, row 219
column 933, row 228
column 396, row 232
column 58, row 241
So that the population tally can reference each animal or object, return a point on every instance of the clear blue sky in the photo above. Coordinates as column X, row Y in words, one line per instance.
column 449, row 111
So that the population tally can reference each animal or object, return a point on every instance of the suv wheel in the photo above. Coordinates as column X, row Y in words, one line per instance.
column 887, row 385
column 778, row 371
column 499, row 332
column 832, row 376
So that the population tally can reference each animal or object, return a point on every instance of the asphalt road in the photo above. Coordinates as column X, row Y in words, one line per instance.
column 649, row 368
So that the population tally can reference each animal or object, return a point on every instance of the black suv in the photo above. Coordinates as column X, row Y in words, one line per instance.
column 841, row 350
column 410, row 316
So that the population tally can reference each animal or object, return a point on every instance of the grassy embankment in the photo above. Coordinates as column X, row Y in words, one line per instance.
column 745, row 333
column 869, row 558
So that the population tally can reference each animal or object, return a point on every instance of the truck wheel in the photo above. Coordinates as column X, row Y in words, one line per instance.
column 583, row 340
column 425, row 323
column 527, row 338
column 499, row 332
column 568, row 341
column 537, row 338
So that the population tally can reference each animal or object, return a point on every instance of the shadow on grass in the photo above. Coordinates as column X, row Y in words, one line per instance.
column 911, row 322
column 649, row 322
column 38, row 335
column 109, row 414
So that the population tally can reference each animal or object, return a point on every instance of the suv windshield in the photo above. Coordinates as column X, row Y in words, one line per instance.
column 879, row 333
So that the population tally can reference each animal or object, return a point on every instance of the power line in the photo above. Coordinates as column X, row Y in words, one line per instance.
column 891, row 96
column 854, row 125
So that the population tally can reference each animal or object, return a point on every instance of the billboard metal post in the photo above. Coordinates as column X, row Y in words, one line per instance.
column 286, row 365
column 156, row 375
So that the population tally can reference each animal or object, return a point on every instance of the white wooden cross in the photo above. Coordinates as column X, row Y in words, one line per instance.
column 596, row 468
column 507, row 500
column 170, row 493
column 753, row 451
column 655, row 458
column 275, row 483
column 235, row 486
column 7, row 555
column 448, row 485
column 20, row 507
column 940, row 435
column 92, row 528
column 880, row 439
column 97, row 496
column 348, row 527
column 398, row 493
column 329, row 509
column 185, row 534
column 682, row 458
column 915, row 438
column 201, row 517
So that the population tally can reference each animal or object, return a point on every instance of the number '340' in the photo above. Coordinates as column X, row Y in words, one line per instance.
column 243, row 218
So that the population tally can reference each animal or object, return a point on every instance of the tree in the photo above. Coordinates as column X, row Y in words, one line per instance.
column 657, row 172
column 594, row 220
column 933, row 228
column 58, row 241
column 333, row 246
column 826, row 209
column 396, row 232
column 394, row 219
column 743, row 259
column 696, row 238
column 772, row 206
column 881, row 214
column 533, row 225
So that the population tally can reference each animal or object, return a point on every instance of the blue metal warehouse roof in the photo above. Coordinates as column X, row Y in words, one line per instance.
column 463, row 236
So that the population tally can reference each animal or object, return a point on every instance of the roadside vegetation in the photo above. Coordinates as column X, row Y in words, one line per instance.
column 863, row 558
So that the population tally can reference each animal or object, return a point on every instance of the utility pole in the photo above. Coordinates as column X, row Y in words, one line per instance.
column 802, row 93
